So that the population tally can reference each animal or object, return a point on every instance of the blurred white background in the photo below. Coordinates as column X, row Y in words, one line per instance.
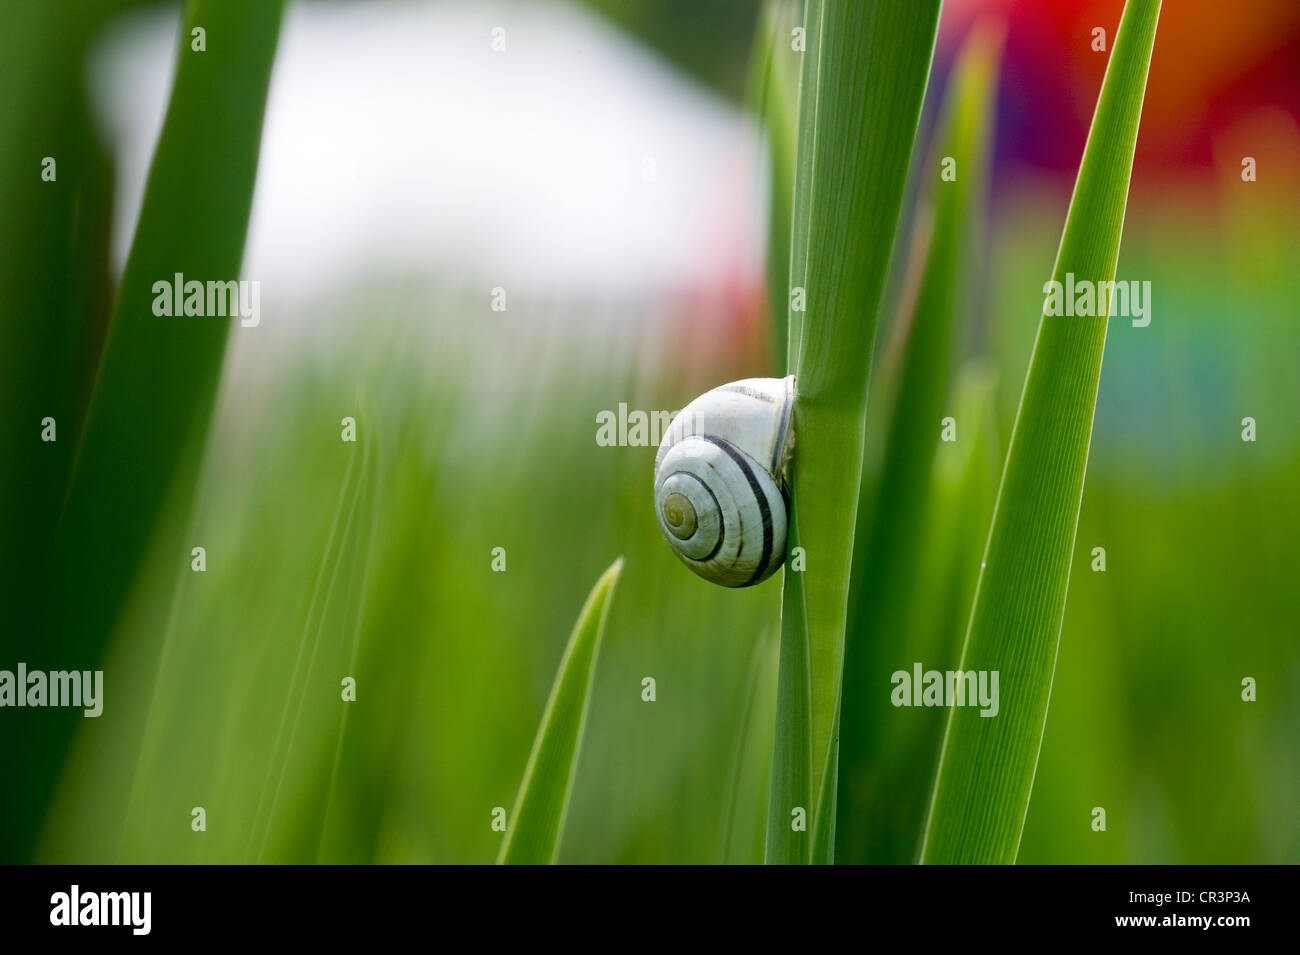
column 576, row 162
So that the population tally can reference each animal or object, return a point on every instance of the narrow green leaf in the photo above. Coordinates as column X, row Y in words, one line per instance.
column 774, row 99
column 883, row 814
column 801, row 208
column 957, row 512
column 987, row 767
column 536, row 825
column 138, row 430
column 864, row 79
column 158, row 376
column 751, row 762
column 54, row 239
column 962, row 490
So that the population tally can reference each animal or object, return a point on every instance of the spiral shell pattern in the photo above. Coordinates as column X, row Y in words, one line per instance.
column 720, row 494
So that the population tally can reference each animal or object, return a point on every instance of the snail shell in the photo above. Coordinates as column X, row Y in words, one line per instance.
column 720, row 480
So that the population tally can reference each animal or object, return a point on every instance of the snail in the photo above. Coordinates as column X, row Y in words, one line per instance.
column 720, row 480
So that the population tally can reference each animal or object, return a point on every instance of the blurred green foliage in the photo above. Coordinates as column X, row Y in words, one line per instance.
column 881, row 815
column 57, row 295
column 710, row 39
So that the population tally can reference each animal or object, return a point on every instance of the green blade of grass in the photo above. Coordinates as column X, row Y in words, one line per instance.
column 957, row 511
column 54, row 239
column 158, row 376
column 751, row 760
column 987, row 766
column 864, row 79
column 774, row 99
column 801, row 203
column 891, row 526
column 536, row 825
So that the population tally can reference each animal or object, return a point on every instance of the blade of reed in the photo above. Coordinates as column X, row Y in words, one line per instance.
column 987, row 766
column 957, row 513
column 751, row 761
column 158, row 376
column 774, row 100
column 536, row 825
column 54, row 238
column 154, row 378
column 880, row 824
column 865, row 73
column 804, row 178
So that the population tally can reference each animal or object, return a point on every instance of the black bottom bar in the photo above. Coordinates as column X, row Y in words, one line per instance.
column 337, row 904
